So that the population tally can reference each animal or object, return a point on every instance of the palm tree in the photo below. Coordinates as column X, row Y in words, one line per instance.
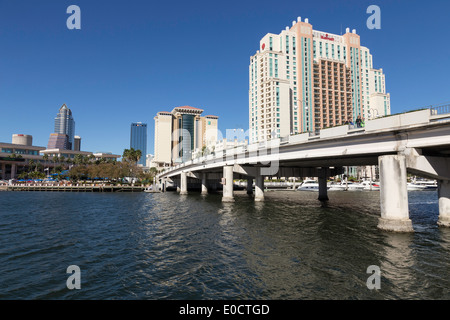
column 132, row 155
column 78, row 159
column 45, row 157
column 30, row 164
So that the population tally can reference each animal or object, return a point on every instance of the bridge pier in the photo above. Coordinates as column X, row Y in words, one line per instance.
column 444, row 203
column 259, row 187
column 323, row 188
column 249, row 186
column 394, row 194
column 204, row 183
column 228, row 184
column 183, row 183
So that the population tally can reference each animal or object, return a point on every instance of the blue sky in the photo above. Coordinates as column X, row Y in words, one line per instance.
column 133, row 58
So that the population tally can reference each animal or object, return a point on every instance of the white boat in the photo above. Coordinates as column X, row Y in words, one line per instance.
column 309, row 185
column 336, row 186
column 422, row 185
column 371, row 185
column 150, row 189
column 345, row 186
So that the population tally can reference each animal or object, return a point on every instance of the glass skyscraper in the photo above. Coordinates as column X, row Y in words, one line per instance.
column 65, row 124
column 138, row 140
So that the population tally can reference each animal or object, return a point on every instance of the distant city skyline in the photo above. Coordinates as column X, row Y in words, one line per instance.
column 125, row 62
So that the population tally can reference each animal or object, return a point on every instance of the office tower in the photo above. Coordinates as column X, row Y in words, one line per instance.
column 58, row 141
column 77, row 143
column 178, row 134
column 303, row 80
column 185, row 132
column 138, row 140
column 65, row 124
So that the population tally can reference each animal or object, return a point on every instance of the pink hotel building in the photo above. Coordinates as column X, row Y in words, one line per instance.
column 302, row 80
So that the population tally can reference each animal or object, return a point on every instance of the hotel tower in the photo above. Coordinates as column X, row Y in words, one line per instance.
column 181, row 132
column 303, row 80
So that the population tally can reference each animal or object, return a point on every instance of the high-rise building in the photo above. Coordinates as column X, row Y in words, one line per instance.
column 138, row 140
column 65, row 124
column 180, row 132
column 58, row 141
column 77, row 143
column 163, row 139
column 302, row 80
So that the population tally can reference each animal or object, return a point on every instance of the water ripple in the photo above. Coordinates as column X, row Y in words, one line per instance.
column 164, row 246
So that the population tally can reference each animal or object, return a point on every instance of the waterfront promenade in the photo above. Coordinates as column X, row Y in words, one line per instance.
column 73, row 187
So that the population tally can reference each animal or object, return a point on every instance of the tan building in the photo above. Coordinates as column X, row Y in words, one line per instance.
column 302, row 80
column 163, row 139
column 14, row 156
column 180, row 132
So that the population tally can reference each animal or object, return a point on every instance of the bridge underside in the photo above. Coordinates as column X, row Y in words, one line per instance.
column 422, row 149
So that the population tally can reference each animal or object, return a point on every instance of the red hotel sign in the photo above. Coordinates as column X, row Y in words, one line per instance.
column 326, row 37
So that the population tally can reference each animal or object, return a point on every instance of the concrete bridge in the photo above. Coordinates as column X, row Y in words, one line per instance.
column 416, row 142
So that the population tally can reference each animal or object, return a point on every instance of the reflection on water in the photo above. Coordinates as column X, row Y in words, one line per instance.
column 166, row 246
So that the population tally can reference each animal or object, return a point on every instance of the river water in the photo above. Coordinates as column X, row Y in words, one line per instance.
column 167, row 246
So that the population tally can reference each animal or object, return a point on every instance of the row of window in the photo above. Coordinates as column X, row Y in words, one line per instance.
column 20, row 151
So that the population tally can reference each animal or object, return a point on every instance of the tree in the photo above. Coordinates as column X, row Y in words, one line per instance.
column 78, row 159
column 62, row 159
column 45, row 157
column 31, row 163
column 132, row 155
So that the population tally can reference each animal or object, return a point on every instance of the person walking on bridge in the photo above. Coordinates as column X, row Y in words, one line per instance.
column 358, row 121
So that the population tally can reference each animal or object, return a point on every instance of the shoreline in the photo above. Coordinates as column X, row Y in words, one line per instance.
column 71, row 188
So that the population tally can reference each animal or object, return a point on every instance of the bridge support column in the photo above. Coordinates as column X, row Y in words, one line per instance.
column 444, row 203
column 204, row 183
column 249, row 186
column 394, row 194
column 228, row 184
column 3, row 171
column 323, row 188
column 259, row 188
column 183, row 183
column 13, row 171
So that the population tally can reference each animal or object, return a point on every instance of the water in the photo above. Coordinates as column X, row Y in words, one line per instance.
column 166, row 246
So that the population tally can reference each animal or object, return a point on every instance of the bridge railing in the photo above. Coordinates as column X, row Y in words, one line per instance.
column 440, row 110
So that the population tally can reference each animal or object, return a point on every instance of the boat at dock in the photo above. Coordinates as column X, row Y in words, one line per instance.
column 150, row 189
column 371, row 185
column 345, row 186
column 309, row 185
column 422, row 185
